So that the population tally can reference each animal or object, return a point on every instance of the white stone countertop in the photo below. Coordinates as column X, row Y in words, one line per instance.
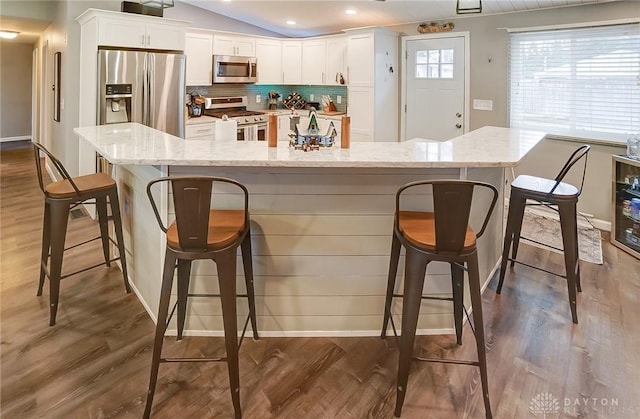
column 135, row 144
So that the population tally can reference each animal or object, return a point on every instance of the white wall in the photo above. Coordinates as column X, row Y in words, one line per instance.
column 489, row 80
column 15, row 90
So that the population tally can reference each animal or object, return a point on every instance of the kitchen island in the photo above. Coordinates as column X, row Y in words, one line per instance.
column 321, row 221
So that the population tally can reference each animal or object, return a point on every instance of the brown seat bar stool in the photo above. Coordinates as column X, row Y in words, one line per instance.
column 200, row 232
column 442, row 235
column 550, row 193
column 59, row 198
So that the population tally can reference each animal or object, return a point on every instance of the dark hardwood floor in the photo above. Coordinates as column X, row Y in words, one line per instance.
column 95, row 362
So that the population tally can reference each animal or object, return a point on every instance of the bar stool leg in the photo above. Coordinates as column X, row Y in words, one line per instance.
column 58, row 223
column 161, row 326
column 391, row 282
column 247, row 264
column 476, row 303
column 569, row 227
column 184, row 276
column 117, row 224
column 512, row 234
column 46, row 245
column 103, row 220
column 457, row 285
column 415, row 268
column 227, row 279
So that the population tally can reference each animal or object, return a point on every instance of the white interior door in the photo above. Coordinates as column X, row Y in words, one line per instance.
column 435, row 88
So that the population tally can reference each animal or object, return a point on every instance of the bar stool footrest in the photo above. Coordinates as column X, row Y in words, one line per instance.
column 169, row 360
column 535, row 267
column 447, row 361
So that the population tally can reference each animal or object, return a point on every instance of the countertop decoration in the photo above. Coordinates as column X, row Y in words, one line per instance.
column 310, row 138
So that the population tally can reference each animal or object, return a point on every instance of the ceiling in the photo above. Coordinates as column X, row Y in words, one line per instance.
column 29, row 29
column 324, row 17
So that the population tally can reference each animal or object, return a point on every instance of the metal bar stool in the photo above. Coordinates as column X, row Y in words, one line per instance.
column 200, row 232
column 442, row 235
column 59, row 198
column 550, row 193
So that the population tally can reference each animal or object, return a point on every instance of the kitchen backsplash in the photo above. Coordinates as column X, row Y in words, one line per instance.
column 252, row 90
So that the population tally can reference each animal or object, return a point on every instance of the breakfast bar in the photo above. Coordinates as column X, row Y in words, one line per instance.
column 321, row 221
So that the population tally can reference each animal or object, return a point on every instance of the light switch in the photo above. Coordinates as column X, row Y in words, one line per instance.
column 311, row 97
column 339, row 99
column 258, row 98
column 483, row 105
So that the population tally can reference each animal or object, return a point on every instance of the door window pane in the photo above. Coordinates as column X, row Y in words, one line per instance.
column 434, row 64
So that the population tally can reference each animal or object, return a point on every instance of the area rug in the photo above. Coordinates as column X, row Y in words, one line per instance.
column 543, row 228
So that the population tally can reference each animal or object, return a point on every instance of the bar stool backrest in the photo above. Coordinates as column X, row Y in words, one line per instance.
column 576, row 156
column 37, row 148
column 192, row 202
column 452, row 201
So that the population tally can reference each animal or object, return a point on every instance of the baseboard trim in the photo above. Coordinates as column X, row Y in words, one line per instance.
column 18, row 138
column 143, row 302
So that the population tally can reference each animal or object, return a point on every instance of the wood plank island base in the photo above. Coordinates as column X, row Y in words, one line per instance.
column 321, row 221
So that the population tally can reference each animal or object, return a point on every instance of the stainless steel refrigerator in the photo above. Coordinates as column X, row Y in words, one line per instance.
column 142, row 86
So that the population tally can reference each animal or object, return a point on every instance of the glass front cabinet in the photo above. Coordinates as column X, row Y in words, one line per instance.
column 625, row 227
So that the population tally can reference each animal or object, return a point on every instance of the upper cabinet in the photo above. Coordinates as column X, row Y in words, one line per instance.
column 291, row 62
column 269, row 57
column 133, row 32
column 198, row 49
column 234, row 45
column 360, row 59
column 314, row 60
column 336, row 61
column 372, row 58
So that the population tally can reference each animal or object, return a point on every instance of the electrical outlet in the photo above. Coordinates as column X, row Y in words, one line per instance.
column 311, row 97
column 339, row 99
column 483, row 105
column 258, row 98
column 279, row 98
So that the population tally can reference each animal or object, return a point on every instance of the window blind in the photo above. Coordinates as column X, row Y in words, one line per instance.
column 582, row 83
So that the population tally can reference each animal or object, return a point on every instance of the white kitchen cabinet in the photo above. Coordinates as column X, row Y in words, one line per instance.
column 360, row 59
column 336, row 61
column 205, row 131
column 269, row 57
column 233, row 45
column 314, row 58
column 136, row 32
column 283, row 127
column 362, row 113
column 198, row 49
column 372, row 58
column 291, row 62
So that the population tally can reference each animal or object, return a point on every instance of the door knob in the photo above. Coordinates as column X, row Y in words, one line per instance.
column 458, row 125
column 458, row 115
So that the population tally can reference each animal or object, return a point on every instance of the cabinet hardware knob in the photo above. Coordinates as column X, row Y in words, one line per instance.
column 458, row 125
column 458, row 115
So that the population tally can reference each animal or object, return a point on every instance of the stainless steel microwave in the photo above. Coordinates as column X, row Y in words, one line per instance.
column 231, row 69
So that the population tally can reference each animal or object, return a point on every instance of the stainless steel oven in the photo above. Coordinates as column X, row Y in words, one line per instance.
column 252, row 132
column 252, row 125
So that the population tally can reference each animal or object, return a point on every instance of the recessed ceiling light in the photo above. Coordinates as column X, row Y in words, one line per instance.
column 226, row 1
column 8, row 34
column 291, row 22
column 351, row 11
